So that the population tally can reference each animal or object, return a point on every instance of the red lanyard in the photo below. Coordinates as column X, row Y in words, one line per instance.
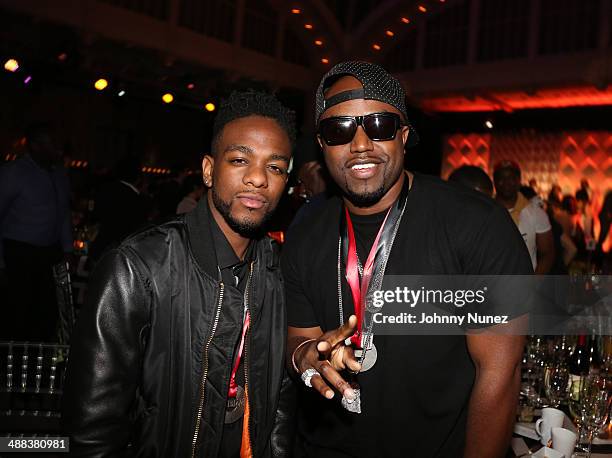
column 233, row 387
column 359, row 288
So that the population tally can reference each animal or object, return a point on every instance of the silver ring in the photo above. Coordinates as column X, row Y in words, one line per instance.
column 307, row 375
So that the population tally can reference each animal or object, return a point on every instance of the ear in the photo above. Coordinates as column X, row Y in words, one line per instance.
column 208, row 166
column 320, row 141
column 405, row 135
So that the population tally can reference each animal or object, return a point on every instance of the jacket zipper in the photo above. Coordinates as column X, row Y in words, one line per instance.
column 246, row 354
column 205, row 372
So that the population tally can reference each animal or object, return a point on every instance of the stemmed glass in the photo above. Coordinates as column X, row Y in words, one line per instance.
column 557, row 384
column 595, row 402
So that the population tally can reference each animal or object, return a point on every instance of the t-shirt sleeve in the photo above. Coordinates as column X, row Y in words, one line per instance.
column 542, row 223
column 498, row 255
column 496, row 248
column 300, row 312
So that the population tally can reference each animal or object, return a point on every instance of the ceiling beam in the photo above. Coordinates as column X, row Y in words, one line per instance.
column 140, row 30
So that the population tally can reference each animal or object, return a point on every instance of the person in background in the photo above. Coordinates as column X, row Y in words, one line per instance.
column 119, row 207
column 532, row 221
column 605, row 220
column 169, row 194
column 473, row 177
column 530, row 194
column 585, row 186
column 533, row 184
column 35, row 234
column 585, row 218
column 569, row 204
column 313, row 184
column 561, row 224
column 555, row 194
column 193, row 188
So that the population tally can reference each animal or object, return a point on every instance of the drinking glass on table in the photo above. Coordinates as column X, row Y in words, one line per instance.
column 595, row 402
column 557, row 384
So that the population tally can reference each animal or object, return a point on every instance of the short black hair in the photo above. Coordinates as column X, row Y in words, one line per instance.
column 528, row 192
column 253, row 103
column 472, row 177
column 582, row 195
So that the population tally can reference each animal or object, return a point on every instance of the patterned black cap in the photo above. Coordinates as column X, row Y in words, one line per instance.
column 377, row 84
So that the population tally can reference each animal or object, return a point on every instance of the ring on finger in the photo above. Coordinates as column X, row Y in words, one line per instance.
column 307, row 376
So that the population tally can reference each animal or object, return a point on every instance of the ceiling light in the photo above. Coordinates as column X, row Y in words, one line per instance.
column 422, row 9
column 389, row 33
column 405, row 20
column 376, row 47
column 210, row 106
column 325, row 60
column 318, row 42
column 167, row 97
column 308, row 26
column 296, row 11
column 11, row 65
column 101, row 84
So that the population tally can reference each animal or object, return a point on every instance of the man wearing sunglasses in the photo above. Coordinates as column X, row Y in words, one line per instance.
column 379, row 395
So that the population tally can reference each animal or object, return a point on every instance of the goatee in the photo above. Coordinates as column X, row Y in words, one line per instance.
column 366, row 199
column 246, row 228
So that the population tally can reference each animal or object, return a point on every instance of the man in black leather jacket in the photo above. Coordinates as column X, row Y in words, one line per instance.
column 179, row 350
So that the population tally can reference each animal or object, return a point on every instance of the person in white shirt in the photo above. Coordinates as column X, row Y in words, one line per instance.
column 530, row 218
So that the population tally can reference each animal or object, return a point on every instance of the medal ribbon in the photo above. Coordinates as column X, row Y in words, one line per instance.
column 359, row 288
column 377, row 258
column 233, row 387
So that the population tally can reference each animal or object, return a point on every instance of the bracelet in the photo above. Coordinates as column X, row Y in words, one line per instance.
column 296, row 349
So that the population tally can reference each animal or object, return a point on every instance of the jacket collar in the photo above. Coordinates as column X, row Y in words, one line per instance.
column 199, row 232
column 264, row 252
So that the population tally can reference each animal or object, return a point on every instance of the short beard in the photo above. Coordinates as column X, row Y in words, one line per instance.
column 247, row 229
column 365, row 199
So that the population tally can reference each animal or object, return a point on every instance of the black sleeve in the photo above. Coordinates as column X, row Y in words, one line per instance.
column 283, row 433
column 499, row 259
column 497, row 248
column 300, row 312
column 105, row 360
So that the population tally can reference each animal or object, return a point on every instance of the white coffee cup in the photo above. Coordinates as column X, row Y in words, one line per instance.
column 546, row 452
column 564, row 441
column 551, row 418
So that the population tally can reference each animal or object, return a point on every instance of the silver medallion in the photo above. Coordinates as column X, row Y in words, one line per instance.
column 367, row 357
column 370, row 359
column 234, row 409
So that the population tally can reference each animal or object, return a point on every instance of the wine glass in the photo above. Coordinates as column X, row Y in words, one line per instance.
column 595, row 402
column 557, row 384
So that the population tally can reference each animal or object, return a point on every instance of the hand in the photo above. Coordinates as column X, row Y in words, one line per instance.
column 327, row 355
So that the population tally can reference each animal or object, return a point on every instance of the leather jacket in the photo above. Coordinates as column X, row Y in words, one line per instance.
column 150, row 356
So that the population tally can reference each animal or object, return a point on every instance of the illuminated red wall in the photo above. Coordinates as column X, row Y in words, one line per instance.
column 551, row 158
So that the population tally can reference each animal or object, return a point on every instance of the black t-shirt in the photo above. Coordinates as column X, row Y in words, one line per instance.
column 415, row 399
column 366, row 228
column 234, row 273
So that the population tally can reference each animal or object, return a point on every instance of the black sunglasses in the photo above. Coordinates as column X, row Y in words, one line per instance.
column 340, row 130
